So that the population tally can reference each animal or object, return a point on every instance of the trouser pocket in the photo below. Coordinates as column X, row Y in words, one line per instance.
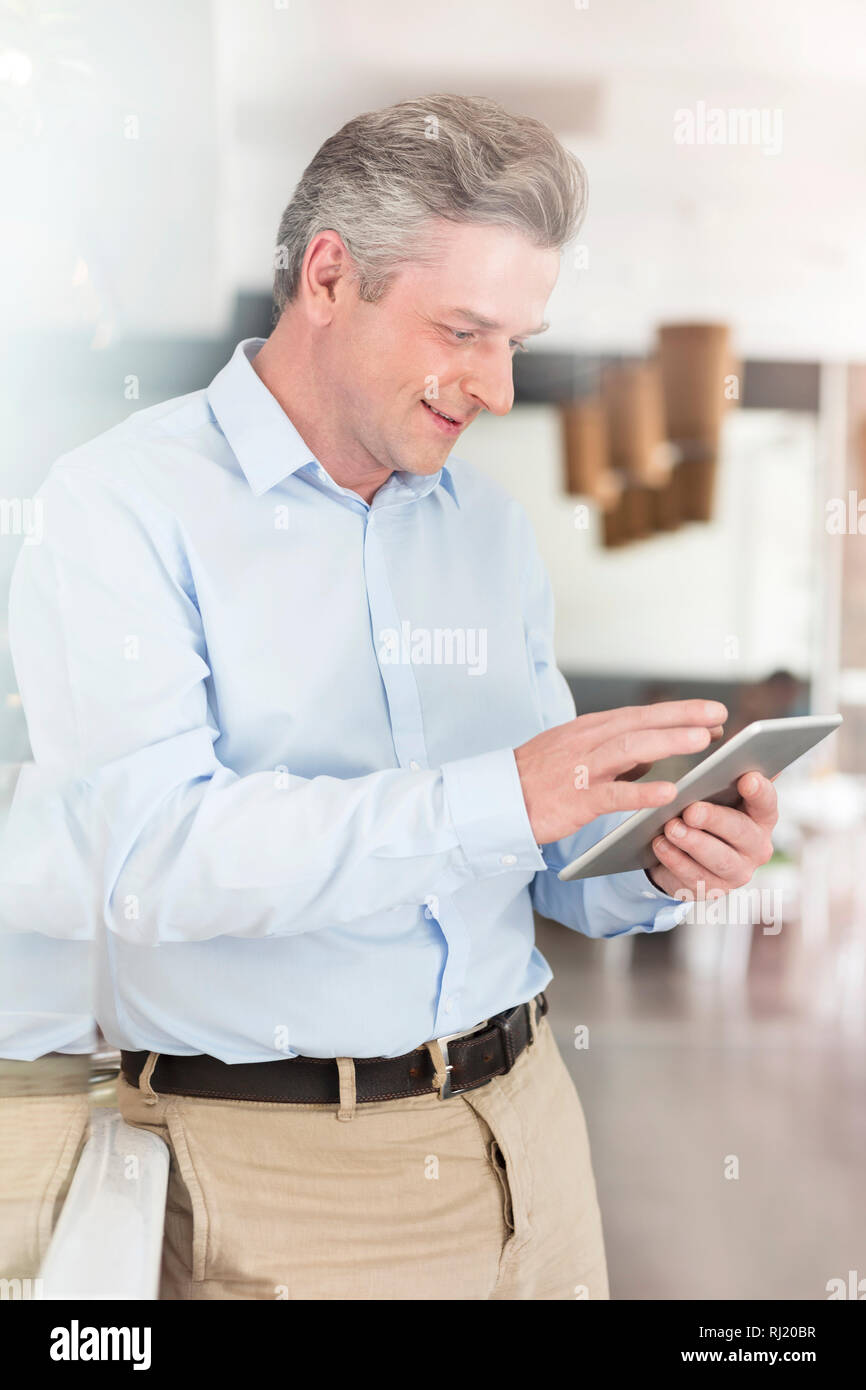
column 509, row 1161
column 497, row 1159
column 198, row 1213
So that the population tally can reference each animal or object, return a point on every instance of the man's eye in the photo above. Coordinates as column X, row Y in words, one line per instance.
column 461, row 334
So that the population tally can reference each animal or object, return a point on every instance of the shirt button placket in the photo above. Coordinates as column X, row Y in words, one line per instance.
column 407, row 729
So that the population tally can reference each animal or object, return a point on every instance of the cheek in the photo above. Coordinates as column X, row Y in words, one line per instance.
column 387, row 376
column 419, row 365
column 388, row 372
column 367, row 383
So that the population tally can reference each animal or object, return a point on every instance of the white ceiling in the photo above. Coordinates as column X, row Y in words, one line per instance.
column 470, row 38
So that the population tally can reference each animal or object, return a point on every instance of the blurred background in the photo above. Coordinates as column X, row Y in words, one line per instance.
column 689, row 442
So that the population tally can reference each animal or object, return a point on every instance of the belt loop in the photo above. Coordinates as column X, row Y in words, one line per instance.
column 346, row 1070
column 530, row 1018
column 440, row 1066
column 150, row 1096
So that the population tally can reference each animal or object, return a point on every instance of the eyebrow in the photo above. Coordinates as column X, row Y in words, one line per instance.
column 490, row 325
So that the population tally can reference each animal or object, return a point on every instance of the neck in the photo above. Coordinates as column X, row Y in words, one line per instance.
column 290, row 368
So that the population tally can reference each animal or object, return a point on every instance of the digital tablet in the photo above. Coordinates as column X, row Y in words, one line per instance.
column 767, row 746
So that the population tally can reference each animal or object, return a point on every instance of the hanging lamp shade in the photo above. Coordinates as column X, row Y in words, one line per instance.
column 586, row 448
column 695, row 362
column 613, row 529
column 634, row 405
column 667, row 502
column 630, row 517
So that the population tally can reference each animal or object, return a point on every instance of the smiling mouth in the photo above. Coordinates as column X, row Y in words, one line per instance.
column 449, row 419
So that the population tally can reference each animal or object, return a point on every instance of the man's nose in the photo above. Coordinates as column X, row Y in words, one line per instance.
column 492, row 384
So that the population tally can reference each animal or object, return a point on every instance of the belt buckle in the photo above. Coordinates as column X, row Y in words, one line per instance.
column 448, row 1089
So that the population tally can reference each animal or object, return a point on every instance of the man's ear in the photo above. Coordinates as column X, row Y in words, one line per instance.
column 325, row 274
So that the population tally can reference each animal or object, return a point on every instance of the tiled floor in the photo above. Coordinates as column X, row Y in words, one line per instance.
column 683, row 1079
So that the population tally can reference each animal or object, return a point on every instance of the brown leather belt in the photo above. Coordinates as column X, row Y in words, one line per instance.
column 472, row 1061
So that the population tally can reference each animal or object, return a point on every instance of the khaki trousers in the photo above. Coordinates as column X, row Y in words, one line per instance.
column 485, row 1195
column 44, row 1118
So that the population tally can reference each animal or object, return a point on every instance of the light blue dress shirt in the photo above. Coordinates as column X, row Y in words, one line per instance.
column 295, row 714
column 46, row 928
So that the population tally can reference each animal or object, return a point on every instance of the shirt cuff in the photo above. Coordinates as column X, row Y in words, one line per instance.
column 485, row 800
column 662, row 910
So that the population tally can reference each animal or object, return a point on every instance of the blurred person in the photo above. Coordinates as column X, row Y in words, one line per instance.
column 304, row 657
column 46, row 1023
column 777, row 696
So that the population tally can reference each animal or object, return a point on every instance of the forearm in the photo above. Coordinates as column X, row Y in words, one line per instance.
column 275, row 855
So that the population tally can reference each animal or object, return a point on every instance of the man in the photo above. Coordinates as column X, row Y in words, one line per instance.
column 307, row 671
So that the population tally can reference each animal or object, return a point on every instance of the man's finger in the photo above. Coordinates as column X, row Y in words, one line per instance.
column 666, row 714
column 735, row 827
column 689, row 873
column 640, row 769
column 631, row 796
column 718, row 857
column 633, row 774
column 761, row 801
column 627, row 749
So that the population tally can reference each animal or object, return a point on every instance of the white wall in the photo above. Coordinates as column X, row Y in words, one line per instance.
column 774, row 243
column 669, row 605
column 110, row 170
column 232, row 99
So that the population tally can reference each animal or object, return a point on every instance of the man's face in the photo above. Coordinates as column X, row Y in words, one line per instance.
column 442, row 338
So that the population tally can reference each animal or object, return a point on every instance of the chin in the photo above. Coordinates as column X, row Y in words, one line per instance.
column 421, row 467
column 424, row 470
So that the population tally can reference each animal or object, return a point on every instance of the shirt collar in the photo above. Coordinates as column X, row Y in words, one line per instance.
column 265, row 442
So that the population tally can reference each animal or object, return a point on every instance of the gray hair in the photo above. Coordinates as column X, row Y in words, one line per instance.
column 381, row 178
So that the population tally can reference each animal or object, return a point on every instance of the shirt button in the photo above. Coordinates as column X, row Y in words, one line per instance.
column 428, row 914
column 414, row 767
column 508, row 860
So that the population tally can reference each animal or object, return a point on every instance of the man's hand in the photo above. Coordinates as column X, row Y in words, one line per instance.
column 717, row 846
column 575, row 772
